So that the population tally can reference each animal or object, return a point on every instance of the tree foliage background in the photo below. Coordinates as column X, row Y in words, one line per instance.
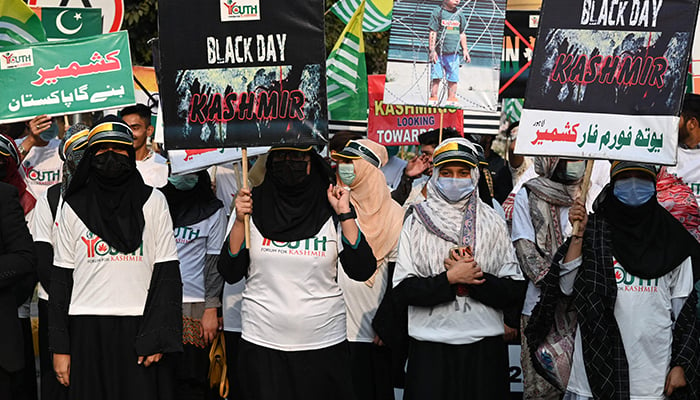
column 141, row 20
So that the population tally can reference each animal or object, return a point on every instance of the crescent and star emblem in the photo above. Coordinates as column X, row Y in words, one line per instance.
column 63, row 29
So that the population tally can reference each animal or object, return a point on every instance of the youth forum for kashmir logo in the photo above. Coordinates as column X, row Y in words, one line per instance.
column 630, row 283
column 16, row 59
column 239, row 10
column 99, row 250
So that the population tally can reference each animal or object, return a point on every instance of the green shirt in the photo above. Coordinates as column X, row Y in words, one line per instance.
column 448, row 25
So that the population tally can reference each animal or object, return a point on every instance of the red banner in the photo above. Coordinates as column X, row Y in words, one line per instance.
column 400, row 125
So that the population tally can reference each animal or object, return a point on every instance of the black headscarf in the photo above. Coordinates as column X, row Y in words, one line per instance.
column 187, row 207
column 112, row 209
column 287, row 213
column 647, row 240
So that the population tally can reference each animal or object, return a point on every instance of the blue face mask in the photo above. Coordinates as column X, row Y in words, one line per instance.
column 184, row 182
column 634, row 191
column 50, row 133
column 454, row 189
column 346, row 173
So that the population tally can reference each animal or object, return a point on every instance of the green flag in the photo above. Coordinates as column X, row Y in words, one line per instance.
column 512, row 108
column 18, row 24
column 377, row 13
column 71, row 23
column 346, row 72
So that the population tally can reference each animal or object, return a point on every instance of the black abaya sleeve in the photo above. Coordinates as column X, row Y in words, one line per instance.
column 17, row 258
column 403, row 190
column 425, row 292
column 358, row 261
column 44, row 255
column 233, row 267
column 60, row 293
column 499, row 293
column 686, row 348
column 161, row 325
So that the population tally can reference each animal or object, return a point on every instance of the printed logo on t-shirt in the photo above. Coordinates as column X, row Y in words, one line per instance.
column 315, row 247
column 450, row 23
column 99, row 251
column 48, row 177
column 186, row 234
column 630, row 283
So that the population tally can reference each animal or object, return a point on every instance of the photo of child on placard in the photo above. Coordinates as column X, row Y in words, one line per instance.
column 445, row 53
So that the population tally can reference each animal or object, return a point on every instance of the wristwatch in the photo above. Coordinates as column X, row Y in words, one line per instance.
column 22, row 150
column 347, row 215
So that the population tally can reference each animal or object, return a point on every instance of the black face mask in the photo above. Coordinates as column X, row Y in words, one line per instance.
column 111, row 165
column 288, row 172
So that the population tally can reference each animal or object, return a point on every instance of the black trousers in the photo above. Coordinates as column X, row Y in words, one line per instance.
column 104, row 362
column 371, row 371
column 321, row 374
column 475, row 371
column 24, row 381
column 233, row 342
column 50, row 388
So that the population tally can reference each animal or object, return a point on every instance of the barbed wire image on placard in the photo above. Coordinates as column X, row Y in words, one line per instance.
column 445, row 53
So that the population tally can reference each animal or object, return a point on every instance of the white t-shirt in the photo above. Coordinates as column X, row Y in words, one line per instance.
column 43, row 228
column 362, row 301
column 472, row 321
column 42, row 167
column 226, row 185
column 232, row 296
column 154, row 170
column 193, row 244
column 292, row 301
column 688, row 169
column 523, row 229
column 643, row 314
column 105, row 281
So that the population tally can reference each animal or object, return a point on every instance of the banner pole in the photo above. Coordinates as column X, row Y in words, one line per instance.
column 585, row 185
column 440, row 138
column 246, row 220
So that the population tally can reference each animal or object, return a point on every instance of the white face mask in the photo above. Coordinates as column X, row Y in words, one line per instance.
column 573, row 171
column 454, row 189
column 346, row 173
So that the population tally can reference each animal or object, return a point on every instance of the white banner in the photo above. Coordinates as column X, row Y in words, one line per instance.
column 695, row 61
column 186, row 161
column 643, row 138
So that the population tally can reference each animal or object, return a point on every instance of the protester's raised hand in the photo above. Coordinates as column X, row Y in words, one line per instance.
column 577, row 213
column 244, row 204
column 39, row 124
column 339, row 197
column 417, row 166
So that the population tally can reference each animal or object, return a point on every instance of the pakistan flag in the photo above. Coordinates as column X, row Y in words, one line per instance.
column 71, row 23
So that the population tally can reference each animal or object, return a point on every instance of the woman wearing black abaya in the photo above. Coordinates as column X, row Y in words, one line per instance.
column 115, row 295
column 629, row 271
column 293, row 317
column 199, row 221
